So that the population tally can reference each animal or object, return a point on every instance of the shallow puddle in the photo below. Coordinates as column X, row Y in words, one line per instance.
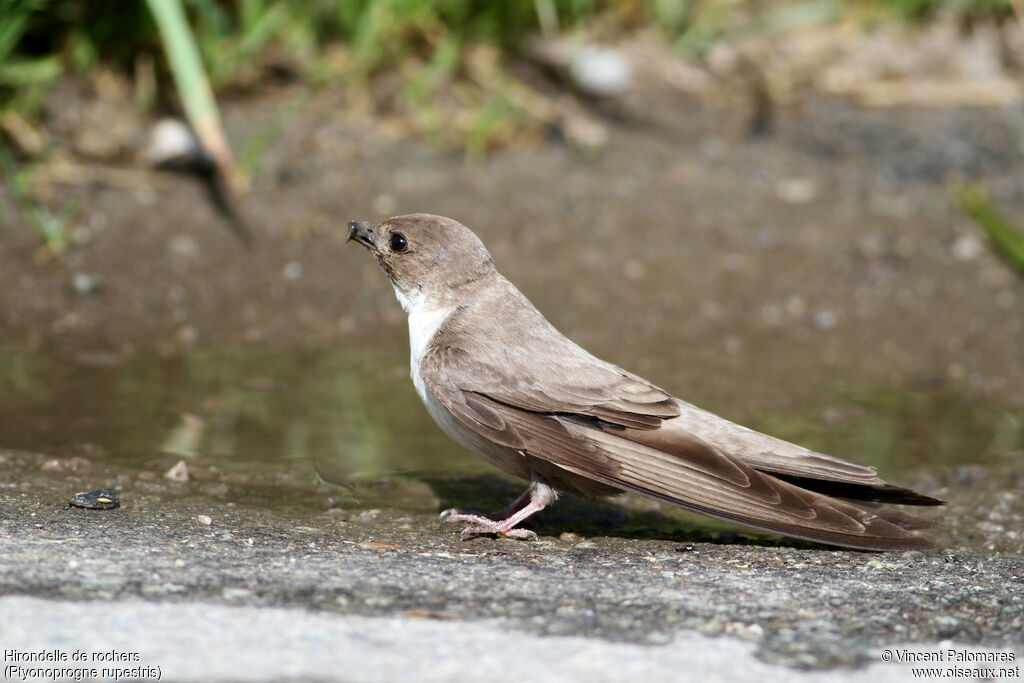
column 264, row 423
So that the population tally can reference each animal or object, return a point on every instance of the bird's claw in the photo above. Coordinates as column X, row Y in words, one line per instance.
column 445, row 514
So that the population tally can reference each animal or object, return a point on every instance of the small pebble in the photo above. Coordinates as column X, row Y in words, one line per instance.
column 84, row 283
column 184, row 246
column 796, row 190
column 172, row 142
column 825, row 319
column 177, row 473
column 99, row 499
column 205, row 520
column 600, row 71
column 188, row 334
column 967, row 248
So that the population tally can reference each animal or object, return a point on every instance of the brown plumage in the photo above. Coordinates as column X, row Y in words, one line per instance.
column 502, row 381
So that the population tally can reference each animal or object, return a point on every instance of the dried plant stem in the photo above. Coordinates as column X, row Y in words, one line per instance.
column 194, row 87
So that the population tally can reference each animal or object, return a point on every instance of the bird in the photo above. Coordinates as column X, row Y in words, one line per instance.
column 500, row 380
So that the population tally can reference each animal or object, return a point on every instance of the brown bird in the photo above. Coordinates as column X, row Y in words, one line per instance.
column 498, row 378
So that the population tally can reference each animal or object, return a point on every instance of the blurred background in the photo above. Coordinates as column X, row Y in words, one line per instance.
column 802, row 215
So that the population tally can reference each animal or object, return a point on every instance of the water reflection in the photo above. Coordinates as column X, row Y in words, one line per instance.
column 349, row 412
column 348, row 417
column 902, row 431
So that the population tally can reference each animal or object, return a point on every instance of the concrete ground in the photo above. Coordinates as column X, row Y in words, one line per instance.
column 207, row 590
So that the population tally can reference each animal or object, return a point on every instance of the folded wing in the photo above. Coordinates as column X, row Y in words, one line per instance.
column 594, row 420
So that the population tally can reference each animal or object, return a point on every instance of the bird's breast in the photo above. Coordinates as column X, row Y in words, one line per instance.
column 422, row 327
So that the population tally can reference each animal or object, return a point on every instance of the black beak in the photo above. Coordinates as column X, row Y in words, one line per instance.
column 362, row 233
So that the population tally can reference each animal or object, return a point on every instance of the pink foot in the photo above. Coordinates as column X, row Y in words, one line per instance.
column 485, row 525
column 536, row 498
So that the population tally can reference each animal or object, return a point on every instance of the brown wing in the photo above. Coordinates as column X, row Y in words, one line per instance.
column 692, row 475
column 589, row 431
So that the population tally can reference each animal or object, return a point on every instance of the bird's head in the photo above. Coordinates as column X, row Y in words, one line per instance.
column 428, row 258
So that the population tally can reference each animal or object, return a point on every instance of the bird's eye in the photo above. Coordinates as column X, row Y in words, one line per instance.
column 398, row 243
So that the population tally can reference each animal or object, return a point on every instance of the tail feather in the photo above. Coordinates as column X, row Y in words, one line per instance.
column 885, row 493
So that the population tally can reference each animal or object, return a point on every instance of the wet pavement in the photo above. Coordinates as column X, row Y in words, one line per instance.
column 649, row 586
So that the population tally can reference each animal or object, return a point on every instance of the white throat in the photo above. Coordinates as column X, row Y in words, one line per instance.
column 424, row 321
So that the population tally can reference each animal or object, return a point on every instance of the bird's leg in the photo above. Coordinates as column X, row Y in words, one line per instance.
column 498, row 516
column 513, row 507
column 502, row 523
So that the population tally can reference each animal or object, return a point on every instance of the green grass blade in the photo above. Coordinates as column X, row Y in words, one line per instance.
column 183, row 56
column 18, row 73
column 12, row 27
column 1006, row 237
column 193, row 85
